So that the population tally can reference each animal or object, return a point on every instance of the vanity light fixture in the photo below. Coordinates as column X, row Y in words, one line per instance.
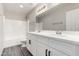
column 41, row 9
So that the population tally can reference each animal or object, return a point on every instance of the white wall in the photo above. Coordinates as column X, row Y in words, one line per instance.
column 1, row 29
column 14, row 31
column 1, row 34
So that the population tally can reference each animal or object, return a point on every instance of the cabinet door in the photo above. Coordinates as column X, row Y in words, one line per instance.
column 42, row 49
column 54, row 52
column 28, row 45
column 33, row 47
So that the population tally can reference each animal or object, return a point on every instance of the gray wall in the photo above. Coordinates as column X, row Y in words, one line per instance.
column 55, row 19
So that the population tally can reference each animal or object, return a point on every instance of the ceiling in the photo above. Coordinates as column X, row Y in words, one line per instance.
column 15, row 9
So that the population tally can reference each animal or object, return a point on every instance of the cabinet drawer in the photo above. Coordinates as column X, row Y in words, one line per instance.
column 32, row 37
column 42, row 39
column 39, row 38
column 67, row 48
column 55, row 52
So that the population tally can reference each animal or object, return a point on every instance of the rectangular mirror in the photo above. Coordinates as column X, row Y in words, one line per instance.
column 63, row 17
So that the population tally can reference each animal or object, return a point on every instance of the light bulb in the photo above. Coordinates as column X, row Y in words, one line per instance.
column 21, row 6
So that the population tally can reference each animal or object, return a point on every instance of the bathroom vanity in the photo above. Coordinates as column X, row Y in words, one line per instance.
column 49, row 44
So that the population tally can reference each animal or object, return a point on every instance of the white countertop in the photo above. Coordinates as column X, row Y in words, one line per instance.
column 70, row 38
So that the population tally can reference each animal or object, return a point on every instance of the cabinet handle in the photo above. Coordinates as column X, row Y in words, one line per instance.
column 49, row 53
column 46, row 52
column 29, row 41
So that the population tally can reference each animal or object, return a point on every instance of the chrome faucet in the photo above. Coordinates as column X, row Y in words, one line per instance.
column 59, row 32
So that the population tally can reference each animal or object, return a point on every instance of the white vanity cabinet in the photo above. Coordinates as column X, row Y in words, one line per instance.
column 41, row 45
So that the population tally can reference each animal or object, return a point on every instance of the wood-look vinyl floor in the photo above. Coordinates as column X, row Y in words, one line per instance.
column 16, row 51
